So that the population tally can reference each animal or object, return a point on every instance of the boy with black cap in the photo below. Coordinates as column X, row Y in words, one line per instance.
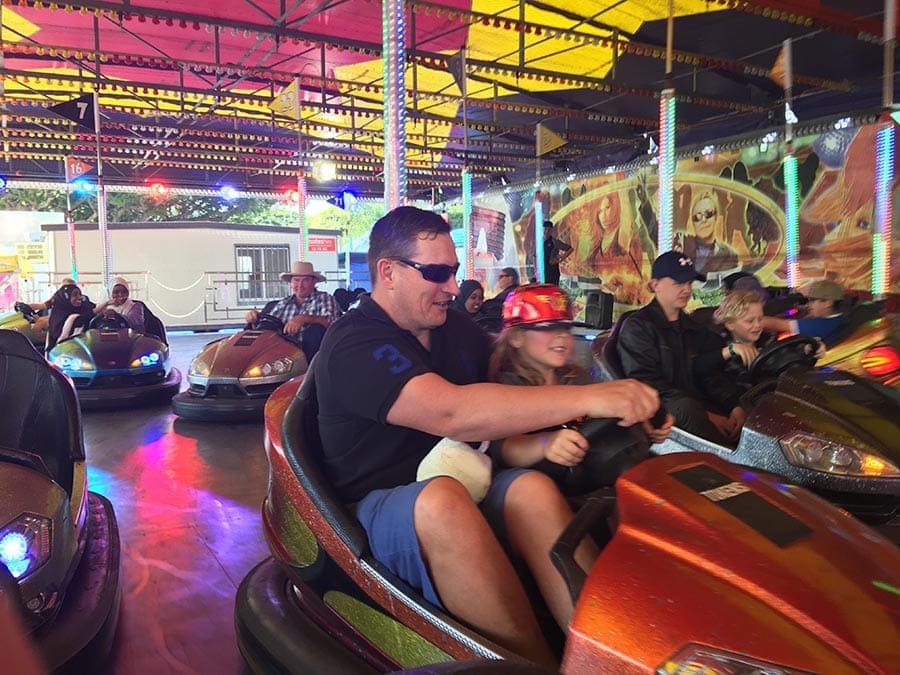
column 658, row 344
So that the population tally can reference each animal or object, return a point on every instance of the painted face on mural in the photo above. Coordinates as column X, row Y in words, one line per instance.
column 704, row 216
column 605, row 212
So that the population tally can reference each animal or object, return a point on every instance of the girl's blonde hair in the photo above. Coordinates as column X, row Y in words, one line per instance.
column 507, row 359
column 735, row 305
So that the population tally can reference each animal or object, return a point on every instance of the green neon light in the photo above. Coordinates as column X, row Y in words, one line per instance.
column 791, row 217
column 886, row 587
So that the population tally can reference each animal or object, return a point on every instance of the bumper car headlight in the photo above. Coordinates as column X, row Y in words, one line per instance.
column 199, row 368
column 69, row 363
column 693, row 659
column 276, row 367
column 819, row 454
column 150, row 360
column 25, row 544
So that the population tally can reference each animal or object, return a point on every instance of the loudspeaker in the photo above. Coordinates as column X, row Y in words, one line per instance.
column 598, row 309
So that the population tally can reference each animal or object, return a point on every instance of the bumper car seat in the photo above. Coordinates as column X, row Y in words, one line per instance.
column 40, row 412
column 303, row 447
column 610, row 363
column 153, row 325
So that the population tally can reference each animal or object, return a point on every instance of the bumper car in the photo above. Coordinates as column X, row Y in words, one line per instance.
column 231, row 378
column 23, row 319
column 59, row 543
column 113, row 366
column 704, row 564
column 827, row 430
column 868, row 346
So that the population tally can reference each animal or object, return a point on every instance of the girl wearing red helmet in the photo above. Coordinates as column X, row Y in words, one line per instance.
column 536, row 348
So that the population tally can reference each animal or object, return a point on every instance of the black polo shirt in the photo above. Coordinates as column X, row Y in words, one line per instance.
column 365, row 361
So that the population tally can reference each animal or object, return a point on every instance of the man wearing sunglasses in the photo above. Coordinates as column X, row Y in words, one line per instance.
column 709, row 254
column 399, row 373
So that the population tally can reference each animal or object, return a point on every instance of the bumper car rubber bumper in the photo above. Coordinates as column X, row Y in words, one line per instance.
column 97, row 398
column 275, row 635
column 225, row 409
column 80, row 637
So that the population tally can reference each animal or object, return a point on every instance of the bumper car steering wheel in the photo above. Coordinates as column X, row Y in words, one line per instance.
column 267, row 322
column 613, row 450
column 781, row 355
column 109, row 322
column 26, row 310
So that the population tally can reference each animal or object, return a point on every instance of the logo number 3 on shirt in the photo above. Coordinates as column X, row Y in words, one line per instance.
column 398, row 362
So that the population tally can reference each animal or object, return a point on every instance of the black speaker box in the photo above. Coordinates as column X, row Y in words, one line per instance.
column 598, row 309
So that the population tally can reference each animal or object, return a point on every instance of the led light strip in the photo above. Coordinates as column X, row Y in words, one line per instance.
column 467, row 223
column 666, row 169
column 394, row 72
column 881, row 237
column 791, row 218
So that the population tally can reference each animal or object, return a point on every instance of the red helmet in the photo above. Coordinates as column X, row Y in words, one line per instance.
column 537, row 306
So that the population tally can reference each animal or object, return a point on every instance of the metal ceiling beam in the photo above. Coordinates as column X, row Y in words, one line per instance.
column 630, row 46
column 814, row 14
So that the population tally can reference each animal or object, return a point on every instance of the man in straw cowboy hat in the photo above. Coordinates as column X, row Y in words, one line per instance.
column 306, row 313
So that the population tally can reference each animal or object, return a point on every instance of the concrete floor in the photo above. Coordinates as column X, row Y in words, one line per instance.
column 187, row 496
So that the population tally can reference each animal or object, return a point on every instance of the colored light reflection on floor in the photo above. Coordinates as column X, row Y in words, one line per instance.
column 187, row 499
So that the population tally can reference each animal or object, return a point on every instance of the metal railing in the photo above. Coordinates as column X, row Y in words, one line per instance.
column 212, row 299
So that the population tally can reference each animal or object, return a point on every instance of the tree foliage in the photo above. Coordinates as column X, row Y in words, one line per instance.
column 131, row 207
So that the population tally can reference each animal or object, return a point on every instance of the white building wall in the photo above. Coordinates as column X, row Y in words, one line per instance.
column 185, row 272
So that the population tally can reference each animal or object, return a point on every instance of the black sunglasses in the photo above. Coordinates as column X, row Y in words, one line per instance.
column 703, row 215
column 435, row 273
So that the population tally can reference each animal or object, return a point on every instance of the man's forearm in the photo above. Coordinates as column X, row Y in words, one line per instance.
column 490, row 411
column 774, row 324
column 317, row 318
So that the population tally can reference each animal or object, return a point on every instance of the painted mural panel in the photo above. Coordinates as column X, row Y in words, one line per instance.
column 728, row 216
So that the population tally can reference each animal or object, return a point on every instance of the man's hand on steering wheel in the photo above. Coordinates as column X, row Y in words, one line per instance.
column 265, row 321
column 628, row 400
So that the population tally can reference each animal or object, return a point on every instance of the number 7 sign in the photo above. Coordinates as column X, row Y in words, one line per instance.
column 80, row 110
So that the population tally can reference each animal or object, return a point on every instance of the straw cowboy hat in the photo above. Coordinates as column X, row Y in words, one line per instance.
column 302, row 269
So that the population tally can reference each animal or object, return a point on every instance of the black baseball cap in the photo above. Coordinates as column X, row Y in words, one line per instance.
column 676, row 265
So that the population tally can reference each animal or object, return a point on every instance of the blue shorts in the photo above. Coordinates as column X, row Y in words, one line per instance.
column 387, row 517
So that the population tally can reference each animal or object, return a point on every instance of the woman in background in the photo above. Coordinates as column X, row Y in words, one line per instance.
column 470, row 298
column 68, row 300
column 121, row 303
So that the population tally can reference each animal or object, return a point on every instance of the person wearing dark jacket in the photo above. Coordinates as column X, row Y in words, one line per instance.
column 658, row 345
column 66, row 301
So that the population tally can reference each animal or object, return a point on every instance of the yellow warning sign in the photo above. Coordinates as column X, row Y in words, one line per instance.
column 32, row 251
